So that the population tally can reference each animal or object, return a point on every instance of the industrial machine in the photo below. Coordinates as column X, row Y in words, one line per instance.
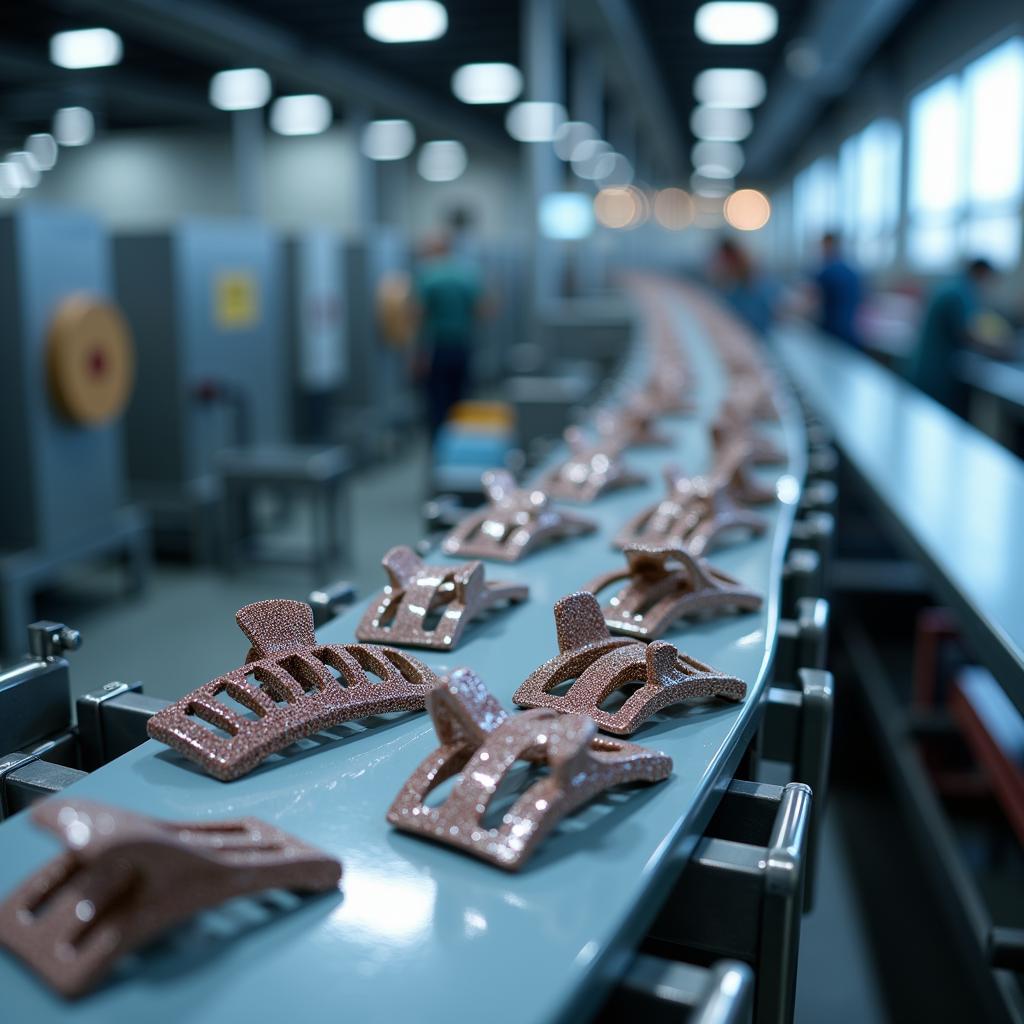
column 67, row 366
column 205, row 301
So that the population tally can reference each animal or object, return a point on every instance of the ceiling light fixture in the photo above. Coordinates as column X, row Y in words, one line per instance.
column 535, row 121
column 721, row 124
column 566, row 216
column 587, row 159
column 487, row 83
column 570, row 136
column 729, row 87
column 305, row 114
column 441, row 160
column 43, row 148
column 9, row 187
column 73, row 126
column 391, row 139
column 86, row 48
column 405, row 21
column 26, row 169
column 726, row 159
column 736, row 24
column 240, row 89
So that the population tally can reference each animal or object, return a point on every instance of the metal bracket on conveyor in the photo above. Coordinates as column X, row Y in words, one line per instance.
column 25, row 778
column 112, row 720
column 659, row 991
column 803, row 639
column 329, row 601
column 740, row 892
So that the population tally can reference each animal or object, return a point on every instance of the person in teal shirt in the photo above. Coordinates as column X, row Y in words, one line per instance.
column 449, row 291
column 946, row 328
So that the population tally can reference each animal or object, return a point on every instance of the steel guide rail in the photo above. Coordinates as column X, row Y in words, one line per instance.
column 419, row 931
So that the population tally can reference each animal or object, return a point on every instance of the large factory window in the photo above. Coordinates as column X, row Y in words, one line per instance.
column 994, row 115
column 967, row 163
column 935, row 184
column 869, row 185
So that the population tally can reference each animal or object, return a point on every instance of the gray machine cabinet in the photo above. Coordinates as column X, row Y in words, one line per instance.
column 65, row 488
column 205, row 301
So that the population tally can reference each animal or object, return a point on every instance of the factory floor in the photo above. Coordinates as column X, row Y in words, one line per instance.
column 180, row 631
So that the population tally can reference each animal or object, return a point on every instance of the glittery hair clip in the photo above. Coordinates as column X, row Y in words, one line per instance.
column 125, row 878
column 664, row 584
column 733, row 472
column 586, row 655
column 431, row 605
column 697, row 513
column 514, row 523
column 301, row 687
column 483, row 743
column 632, row 425
column 727, row 430
column 592, row 468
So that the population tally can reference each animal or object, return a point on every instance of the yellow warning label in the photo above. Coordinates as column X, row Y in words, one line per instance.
column 236, row 300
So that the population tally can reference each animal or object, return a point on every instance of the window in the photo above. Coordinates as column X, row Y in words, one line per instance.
column 869, row 188
column 967, row 163
column 815, row 205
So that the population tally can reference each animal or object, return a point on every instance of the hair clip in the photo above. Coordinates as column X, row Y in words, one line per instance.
column 125, row 878
column 632, row 425
column 728, row 429
column 664, row 584
column 592, row 469
column 514, row 523
column 696, row 513
column 296, row 693
column 732, row 473
column 430, row 605
column 585, row 655
column 482, row 742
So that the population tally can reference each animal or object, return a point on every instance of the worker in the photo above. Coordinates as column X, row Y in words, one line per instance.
column 449, row 295
column 742, row 287
column 947, row 327
column 839, row 292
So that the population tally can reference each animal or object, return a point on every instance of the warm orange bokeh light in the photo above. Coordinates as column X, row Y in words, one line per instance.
column 747, row 209
column 673, row 209
column 618, row 207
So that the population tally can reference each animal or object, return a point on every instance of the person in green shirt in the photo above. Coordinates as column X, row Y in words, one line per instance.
column 946, row 328
column 449, row 294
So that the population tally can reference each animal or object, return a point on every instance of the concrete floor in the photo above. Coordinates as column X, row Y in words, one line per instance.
column 181, row 632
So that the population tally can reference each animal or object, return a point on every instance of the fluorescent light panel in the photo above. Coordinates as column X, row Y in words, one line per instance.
column 86, row 48
column 487, row 83
column 405, row 21
column 73, row 126
column 570, row 137
column 441, row 160
column 240, row 89
column 729, row 87
column 43, row 148
column 717, row 159
column 391, row 139
column 305, row 114
column 736, row 24
column 721, row 124
column 535, row 121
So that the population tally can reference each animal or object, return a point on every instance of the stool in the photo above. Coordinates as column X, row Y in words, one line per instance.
column 317, row 471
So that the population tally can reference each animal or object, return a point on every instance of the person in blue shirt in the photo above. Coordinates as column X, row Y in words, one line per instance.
column 449, row 294
column 946, row 328
column 840, row 292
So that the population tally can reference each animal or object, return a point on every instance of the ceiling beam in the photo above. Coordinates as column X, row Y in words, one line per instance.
column 229, row 37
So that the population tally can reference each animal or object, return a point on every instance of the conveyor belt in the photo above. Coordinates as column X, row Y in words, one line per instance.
column 953, row 495
column 421, row 932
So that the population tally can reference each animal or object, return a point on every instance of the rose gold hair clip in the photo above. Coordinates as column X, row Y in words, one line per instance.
column 585, row 655
column 483, row 743
column 125, row 878
column 296, row 694
column 632, row 425
column 592, row 469
column 727, row 430
column 664, row 584
column 431, row 605
column 697, row 513
column 733, row 472
column 514, row 523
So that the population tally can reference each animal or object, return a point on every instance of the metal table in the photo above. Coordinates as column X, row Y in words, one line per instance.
column 421, row 932
column 953, row 495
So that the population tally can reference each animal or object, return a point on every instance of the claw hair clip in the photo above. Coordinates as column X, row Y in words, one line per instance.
column 298, row 688
column 481, row 743
column 431, row 605
column 600, row 664
column 592, row 468
column 633, row 425
column 515, row 522
column 124, row 878
column 697, row 513
column 662, row 584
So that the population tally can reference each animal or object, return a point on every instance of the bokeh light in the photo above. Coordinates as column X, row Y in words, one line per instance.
column 747, row 209
column 674, row 209
column 620, row 207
